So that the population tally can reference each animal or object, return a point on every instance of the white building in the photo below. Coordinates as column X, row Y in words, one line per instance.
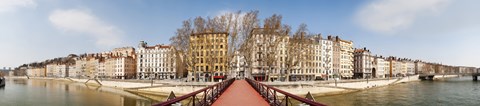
column 363, row 63
column 326, row 58
column 237, row 67
column 72, row 71
column 155, row 62
column 381, row 67
column 57, row 70
column 80, row 68
column 101, row 67
column 410, row 66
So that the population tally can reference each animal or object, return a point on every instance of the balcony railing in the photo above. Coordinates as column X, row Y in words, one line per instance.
column 207, row 95
column 271, row 95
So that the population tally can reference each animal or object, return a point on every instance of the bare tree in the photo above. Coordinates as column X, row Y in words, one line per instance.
column 199, row 25
column 296, row 50
column 181, row 45
column 263, row 43
column 245, row 43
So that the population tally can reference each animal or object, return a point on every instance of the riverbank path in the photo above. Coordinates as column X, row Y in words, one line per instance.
column 240, row 93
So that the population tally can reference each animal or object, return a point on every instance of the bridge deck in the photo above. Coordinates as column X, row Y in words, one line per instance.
column 240, row 93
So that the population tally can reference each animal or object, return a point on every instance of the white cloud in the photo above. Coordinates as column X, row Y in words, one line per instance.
column 74, row 20
column 390, row 16
column 11, row 5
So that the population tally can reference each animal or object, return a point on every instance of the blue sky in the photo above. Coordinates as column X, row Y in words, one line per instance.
column 443, row 31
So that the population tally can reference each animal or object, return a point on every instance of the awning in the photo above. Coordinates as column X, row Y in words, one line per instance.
column 218, row 76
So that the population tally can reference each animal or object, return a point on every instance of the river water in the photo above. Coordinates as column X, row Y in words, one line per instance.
column 450, row 92
column 35, row 92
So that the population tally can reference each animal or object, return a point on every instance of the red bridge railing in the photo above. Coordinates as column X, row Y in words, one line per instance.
column 207, row 95
column 271, row 95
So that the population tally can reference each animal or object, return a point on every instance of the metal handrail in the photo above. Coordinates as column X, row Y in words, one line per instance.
column 271, row 96
column 210, row 94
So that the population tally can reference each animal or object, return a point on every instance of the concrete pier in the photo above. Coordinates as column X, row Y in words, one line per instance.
column 475, row 76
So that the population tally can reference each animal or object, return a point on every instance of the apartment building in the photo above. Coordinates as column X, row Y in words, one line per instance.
column 123, row 67
column 36, row 72
column 363, row 63
column 209, row 53
column 380, row 67
column 57, row 70
column 157, row 62
column 327, row 58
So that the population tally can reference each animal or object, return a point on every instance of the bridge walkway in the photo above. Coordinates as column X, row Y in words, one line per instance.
column 240, row 93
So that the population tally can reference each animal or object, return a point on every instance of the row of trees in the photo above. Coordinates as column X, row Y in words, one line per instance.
column 240, row 25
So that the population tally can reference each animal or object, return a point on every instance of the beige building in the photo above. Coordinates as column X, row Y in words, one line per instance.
column 91, row 67
column 123, row 51
column 101, row 68
column 313, row 61
column 336, row 56
column 410, row 67
column 36, row 72
column 57, row 70
column 395, row 67
column 342, row 57
column 80, row 68
column 124, row 67
column 346, row 58
column 99, row 65
column 270, row 51
column 209, row 51
column 110, row 67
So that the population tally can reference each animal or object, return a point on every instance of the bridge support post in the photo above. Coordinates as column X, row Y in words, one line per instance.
column 475, row 78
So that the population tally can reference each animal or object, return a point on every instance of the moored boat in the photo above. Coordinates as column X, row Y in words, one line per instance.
column 2, row 81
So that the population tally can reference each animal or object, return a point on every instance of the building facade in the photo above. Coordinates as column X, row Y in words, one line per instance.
column 80, row 68
column 410, row 66
column 363, row 64
column 269, row 55
column 380, row 67
column 209, row 51
column 346, row 58
column 123, row 67
column 237, row 67
column 158, row 62
column 36, row 72
column 91, row 66
column 314, row 61
column 337, row 52
column 327, row 59
column 57, row 70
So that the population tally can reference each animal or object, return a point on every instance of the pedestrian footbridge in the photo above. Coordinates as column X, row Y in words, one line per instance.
column 245, row 92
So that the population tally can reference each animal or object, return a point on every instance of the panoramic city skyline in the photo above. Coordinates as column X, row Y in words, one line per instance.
column 38, row 30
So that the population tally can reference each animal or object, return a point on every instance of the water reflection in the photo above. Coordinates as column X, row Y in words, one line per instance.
column 61, row 93
column 457, row 91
